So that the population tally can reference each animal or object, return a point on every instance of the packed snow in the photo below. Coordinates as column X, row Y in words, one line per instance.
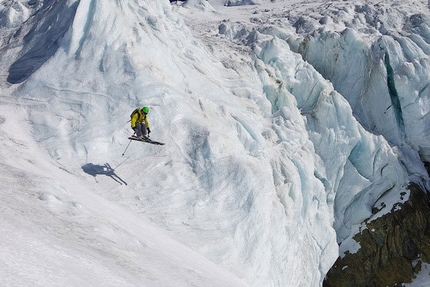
column 274, row 154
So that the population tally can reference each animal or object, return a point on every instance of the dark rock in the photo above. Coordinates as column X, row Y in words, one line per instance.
column 392, row 247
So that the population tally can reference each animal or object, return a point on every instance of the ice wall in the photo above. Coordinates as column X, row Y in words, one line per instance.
column 358, row 126
column 379, row 65
column 357, row 167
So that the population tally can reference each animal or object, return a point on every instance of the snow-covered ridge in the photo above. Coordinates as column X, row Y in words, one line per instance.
column 263, row 151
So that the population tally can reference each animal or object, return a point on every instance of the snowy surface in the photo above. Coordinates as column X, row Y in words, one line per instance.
column 272, row 157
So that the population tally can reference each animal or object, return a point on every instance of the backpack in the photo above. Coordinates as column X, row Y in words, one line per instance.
column 136, row 111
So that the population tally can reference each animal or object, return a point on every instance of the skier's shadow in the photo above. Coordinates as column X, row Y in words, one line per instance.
column 106, row 169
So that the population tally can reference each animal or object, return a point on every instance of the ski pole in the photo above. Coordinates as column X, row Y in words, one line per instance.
column 126, row 148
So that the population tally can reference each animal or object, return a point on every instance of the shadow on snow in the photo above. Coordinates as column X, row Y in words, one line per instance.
column 105, row 169
column 41, row 35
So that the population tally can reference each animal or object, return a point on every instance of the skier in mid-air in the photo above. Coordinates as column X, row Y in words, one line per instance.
column 140, row 123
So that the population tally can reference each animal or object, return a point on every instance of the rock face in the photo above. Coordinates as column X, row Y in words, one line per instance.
column 392, row 247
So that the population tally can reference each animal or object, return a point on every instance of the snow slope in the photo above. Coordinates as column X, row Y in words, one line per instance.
column 57, row 232
column 265, row 165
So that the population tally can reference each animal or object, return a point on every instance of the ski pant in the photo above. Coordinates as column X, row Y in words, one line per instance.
column 140, row 129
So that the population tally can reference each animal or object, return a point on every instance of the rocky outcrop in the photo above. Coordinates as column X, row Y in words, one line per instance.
column 392, row 247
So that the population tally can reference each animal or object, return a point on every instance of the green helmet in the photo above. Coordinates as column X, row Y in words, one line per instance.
column 145, row 110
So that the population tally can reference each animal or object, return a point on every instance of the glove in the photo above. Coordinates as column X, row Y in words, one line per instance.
column 149, row 130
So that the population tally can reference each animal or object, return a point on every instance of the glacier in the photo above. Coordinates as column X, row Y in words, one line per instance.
column 286, row 125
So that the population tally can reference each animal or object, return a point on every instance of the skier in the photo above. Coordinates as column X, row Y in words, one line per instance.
column 140, row 123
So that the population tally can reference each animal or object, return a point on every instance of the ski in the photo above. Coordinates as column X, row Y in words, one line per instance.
column 145, row 140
